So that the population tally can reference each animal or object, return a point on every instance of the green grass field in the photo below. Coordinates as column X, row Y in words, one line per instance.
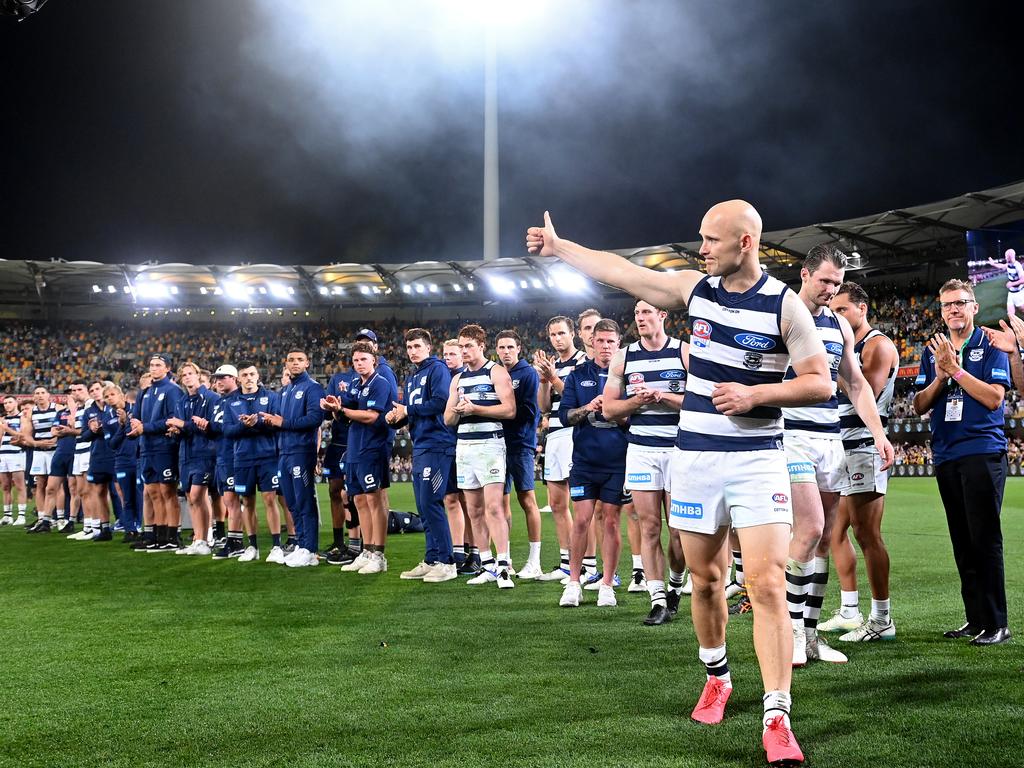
column 115, row 658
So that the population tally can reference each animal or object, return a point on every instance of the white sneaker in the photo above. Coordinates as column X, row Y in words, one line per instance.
column 201, row 548
column 504, row 578
column 732, row 589
column 637, row 582
column 356, row 564
column 20, row 520
column 687, row 583
column 374, row 564
column 545, row 508
column 842, row 621
column 530, row 571
column 301, row 558
column 419, row 572
column 441, row 572
column 799, row 647
column 870, row 631
column 606, row 596
column 6, row 520
column 818, row 649
column 85, row 534
column 249, row 554
column 189, row 550
column 571, row 595
column 485, row 577
column 276, row 556
column 554, row 575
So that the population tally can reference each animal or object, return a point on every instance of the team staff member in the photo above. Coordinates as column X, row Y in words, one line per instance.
column 100, row 473
column 343, row 510
column 433, row 454
column 158, row 452
column 255, row 459
column 298, row 423
column 126, row 457
column 521, row 444
column 367, row 473
column 962, row 382
column 225, row 382
column 598, row 463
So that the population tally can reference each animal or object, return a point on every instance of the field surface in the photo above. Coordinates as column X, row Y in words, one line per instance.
column 115, row 658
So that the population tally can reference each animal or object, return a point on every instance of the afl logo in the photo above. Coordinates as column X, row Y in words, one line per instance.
column 857, row 476
column 636, row 378
column 702, row 329
column 780, row 498
column 754, row 341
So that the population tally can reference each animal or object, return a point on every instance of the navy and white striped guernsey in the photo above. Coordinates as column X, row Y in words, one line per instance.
column 43, row 422
column 82, row 444
column 736, row 337
column 822, row 419
column 654, row 424
column 1013, row 273
column 562, row 371
column 7, row 448
column 477, row 387
column 854, row 433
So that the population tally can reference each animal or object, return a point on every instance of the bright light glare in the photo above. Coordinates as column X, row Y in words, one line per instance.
column 456, row 287
column 111, row 289
column 152, row 291
column 536, row 283
column 420, row 288
column 277, row 290
column 364, row 289
column 569, row 280
column 96, row 289
column 433, row 288
column 324, row 290
column 501, row 284
column 495, row 13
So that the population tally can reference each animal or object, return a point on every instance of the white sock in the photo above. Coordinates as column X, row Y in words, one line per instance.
column 716, row 664
column 503, row 558
column 8, row 508
column 638, row 563
column 880, row 610
column 776, row 703
column 656, row 589
column 22, row 509
column 534, row 556
column 850, row 602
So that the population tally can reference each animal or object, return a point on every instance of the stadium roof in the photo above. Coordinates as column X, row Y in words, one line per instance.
column 890, row 243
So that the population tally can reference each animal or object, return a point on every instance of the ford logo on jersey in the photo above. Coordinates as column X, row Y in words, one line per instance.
column 754, row 341
column 482, row 388
column 834, row 348
column 686, row 509
column 671, row 374
column 588, row 383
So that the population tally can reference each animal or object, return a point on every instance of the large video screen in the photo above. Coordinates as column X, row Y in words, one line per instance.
column 995, row 265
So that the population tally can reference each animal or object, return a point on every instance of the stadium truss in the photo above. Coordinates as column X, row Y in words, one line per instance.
column 891, row 243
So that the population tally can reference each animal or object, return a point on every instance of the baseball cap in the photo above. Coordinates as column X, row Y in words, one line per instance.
column 366, row 333
column 161, row 356
column 226, row 370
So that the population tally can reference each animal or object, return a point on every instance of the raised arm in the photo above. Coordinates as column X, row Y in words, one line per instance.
column 662, row 289
column 862, row 396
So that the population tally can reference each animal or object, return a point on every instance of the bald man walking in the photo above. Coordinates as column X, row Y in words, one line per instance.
column 747, row 327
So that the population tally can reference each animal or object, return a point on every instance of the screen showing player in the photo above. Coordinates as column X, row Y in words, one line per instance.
column 995, row 265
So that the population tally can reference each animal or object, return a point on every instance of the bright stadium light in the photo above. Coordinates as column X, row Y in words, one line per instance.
column 174, row 290
column 152, row 291
column 364, row 289
column 96, row 289
column 337, row 290
column 536, row 283
column 234, row 290
column 278, row 291
column 202, row 290
column 569, row 280
column 433, row 288
column 523, row 284
column 128, row 289
column 420, row 288
column 456, row 287
column 324, row 290
column 501, row 284
column 111, row 289
column 470, row 287
column 263, row 290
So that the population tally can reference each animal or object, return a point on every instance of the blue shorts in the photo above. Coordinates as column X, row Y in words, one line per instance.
column 197, row 474
column 519, row 468
column 365, row 477
column 224, row 479
column 60, row 465
column 334, row 462
column 585, row 484
column 263, row 477
column 99, row 478
column 160, row 468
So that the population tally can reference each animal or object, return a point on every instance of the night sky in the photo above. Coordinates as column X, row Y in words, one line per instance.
column 314, row 132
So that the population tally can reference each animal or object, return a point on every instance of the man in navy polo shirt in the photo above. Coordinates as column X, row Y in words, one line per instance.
column 962, row 381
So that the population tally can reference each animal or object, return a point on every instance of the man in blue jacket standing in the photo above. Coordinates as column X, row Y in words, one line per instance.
column 299, row 420
column 433, row 453
column 158, row 451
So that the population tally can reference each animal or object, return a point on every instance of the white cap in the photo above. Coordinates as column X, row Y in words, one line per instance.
column 226, row 370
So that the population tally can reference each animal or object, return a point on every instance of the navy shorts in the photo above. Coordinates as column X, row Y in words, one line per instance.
column 99, row 478
column 334, row 462
column 161, row 468
column 519, row 468
column 224, row 479
column 585, row 484
column 263, row 477
column 197, row 474
column 367, row 476
column 60, row 464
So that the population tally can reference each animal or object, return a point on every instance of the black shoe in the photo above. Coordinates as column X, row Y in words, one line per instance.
column 659, row 615
column 146, row 546
column 967, row 630
column 993, row 637
column 41, row 526
column 333, row 555
column 65, row 526
column 741, row 606
column 130, row 537
column 672, row 601
column 104, row 535
column 167, row 546
column 469, row 568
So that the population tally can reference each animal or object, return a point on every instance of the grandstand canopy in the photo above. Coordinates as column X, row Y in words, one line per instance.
column 891, row 243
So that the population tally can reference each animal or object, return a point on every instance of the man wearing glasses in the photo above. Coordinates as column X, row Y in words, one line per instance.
column 962, row 381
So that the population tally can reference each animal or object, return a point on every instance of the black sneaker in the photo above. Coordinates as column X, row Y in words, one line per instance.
column 142, row 544
column 66, row 526
column 672, row 602
column 103, row 535
column 218, row 543
column 741, row 606
column 470, row 568
column 40, row 526
column 130, row 537
column 333, row 555
column 167, row 546
column 659, row 615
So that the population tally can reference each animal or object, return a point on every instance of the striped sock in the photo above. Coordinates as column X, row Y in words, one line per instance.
column 716, row 664
column 737, row 559
column 563, row 559
column 817, row 582
column 656, row 589
column 796, row 586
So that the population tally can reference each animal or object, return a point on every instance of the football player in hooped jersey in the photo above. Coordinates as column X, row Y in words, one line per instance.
column 815, row 455
column 12, row 461
column 731, row 416
column 645, row 384
column 1014, row 281
column 598, row 464
column 480, row 398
